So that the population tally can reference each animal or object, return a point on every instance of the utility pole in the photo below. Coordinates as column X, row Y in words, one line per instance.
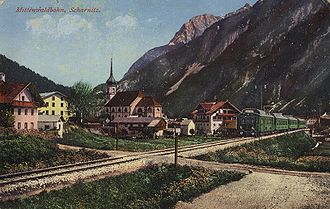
column 261, row 97
column 117, row 136
column 175, row 147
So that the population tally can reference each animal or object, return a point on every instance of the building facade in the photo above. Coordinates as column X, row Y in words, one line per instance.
column 55, row 104
column 22, row 101
column 128, row 103
column 210, row 117
column 51, row 122
column 188, row 127
column 134, row 125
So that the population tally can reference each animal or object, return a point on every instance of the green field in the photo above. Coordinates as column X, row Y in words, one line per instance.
column 292, row 152
column 18, row 153
column 83, row 138
column 153, row 187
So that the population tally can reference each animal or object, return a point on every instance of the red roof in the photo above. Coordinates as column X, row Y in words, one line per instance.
column 124, row 98
column 148, row 101
column 211, row 107
column 23, row 104
column 8, row 91
column 215, row 107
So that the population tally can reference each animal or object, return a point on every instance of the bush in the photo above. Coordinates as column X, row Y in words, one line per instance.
column 153, row 187
column 24, row 153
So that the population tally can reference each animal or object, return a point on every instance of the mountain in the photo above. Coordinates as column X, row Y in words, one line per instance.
column 20, row 74
column 279, row 49
column 189, row 31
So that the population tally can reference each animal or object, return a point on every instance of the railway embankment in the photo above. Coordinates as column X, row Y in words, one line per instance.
column 290, row 152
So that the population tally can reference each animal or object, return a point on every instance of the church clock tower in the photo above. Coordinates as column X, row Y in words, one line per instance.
column 111, row 85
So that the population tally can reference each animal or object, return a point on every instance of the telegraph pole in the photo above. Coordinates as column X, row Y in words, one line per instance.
column 175, row 147
column 261, row 97
column 117, row 136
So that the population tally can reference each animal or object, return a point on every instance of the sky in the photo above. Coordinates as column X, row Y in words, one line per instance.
column 67, row 47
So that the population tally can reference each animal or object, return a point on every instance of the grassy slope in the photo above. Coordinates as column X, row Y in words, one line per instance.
column 82, row 138
column 289, row 152
column 19, row 153
column 154, row 187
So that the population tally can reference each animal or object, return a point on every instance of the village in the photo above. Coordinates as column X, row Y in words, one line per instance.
column 127, row 114
column 188, row 104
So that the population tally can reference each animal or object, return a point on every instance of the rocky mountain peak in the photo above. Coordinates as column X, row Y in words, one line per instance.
column 189, row 31
column 284, row 44
column 193, row 28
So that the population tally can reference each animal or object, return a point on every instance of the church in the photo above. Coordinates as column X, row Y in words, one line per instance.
column 129, row 106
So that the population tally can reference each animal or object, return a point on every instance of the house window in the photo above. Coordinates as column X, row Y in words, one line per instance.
column 62, row 105
column 62, row 113
column 19, row 111
column 26, row 111
column 32, row 111
column 25, row 125
column 32, row 125
column 125, row 110
column 149, row 109
column 23, row 98
column 62, row 98
column 53, row 112
column 119, row 109
column 158, row 109
column 47, row 112
column 47, row 104
column 53, row 104
column 53, row 98
column 112, row 110
column 18, row 125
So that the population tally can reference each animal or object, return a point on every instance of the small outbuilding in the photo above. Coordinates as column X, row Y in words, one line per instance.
column 188, row 127
column 51, row 122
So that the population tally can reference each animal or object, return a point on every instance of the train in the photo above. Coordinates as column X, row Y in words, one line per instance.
column 256, row 122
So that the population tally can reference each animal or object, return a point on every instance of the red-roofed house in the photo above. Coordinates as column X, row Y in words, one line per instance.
column 22, row 100
column 210, row 116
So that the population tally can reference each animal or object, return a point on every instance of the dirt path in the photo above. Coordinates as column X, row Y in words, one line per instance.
column 112, row 153
column 264, row 190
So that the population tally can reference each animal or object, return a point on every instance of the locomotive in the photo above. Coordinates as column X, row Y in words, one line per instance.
column 255, row 122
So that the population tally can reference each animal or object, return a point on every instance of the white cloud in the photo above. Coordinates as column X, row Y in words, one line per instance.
column 123, row 22
column 152, row 19
column 65, row 25
column 72, row 23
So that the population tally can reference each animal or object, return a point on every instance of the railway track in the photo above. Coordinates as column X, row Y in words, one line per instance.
column 31, row 182
column 13, row 178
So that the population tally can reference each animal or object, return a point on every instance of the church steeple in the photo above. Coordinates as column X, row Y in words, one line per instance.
column 111, row 80
column 111, row 84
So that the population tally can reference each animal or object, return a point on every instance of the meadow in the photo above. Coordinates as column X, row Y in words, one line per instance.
column 292, row 152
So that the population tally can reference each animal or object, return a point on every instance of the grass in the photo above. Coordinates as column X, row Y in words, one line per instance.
column 18, row 153
column 322, row 150
column 82, row 138
column 153, row 187
column 292, row 152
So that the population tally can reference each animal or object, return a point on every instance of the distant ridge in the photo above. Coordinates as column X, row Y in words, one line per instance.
column 20, row 74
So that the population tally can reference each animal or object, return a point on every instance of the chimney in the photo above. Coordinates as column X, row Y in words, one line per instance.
column 2, row 77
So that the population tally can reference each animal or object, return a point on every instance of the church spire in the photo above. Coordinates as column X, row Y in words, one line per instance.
column 111, row 80
column 111, row 74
